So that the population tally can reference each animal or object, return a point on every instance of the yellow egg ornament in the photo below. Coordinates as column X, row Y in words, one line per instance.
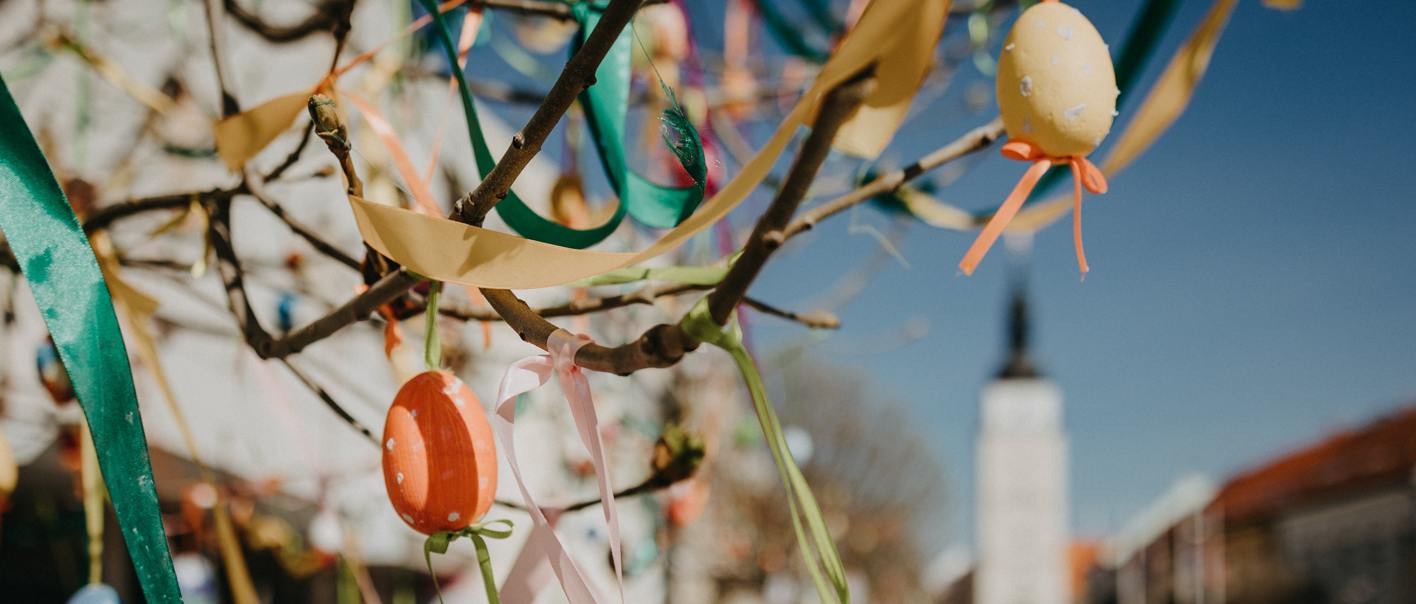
column 1057, row 94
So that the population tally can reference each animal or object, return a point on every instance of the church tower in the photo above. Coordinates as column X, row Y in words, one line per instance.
column 1022, row 466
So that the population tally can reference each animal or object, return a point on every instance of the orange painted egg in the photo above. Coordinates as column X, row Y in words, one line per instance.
column 1056, row 85
column 439, row 459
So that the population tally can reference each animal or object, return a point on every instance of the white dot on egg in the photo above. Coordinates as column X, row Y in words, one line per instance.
column 1075, row 112
column 1066, row 32
column 1096, row 142
column 1027, row 126
column 1025, row 86
column 400, row 478
column 1054, row 60
column 1115, row 113
column 390, row 444
column 453, row 517
column 1038, row 24
column 459, row 401
column 1086, row 67
column 1009, row 47
column 483, row 482
column 413, row 414
column 408, row 519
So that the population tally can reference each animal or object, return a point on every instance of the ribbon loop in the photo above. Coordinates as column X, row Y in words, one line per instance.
column 1084, row 174
column 531, row 373
column 437, row 543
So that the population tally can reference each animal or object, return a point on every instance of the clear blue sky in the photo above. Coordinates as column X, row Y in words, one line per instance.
column 1253, row 281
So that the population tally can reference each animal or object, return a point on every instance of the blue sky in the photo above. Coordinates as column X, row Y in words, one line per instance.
column 1252, row 280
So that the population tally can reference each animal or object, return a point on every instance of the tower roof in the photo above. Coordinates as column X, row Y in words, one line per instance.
column 1019, row 363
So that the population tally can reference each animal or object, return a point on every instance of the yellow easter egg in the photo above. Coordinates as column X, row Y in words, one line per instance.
column 1056, row 86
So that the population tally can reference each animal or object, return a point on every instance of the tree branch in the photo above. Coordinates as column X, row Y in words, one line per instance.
column 664, row 345
column 646, row 295
column 974, row 141
column 820, row 319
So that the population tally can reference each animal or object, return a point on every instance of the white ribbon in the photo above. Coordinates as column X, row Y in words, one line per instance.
column 529, row 374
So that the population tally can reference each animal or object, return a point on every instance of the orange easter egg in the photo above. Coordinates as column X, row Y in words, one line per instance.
column 439, row 458
column 1056, row 85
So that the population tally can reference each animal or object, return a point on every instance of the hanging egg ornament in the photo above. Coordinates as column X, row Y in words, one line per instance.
column 439, row 459
column 1057, row 96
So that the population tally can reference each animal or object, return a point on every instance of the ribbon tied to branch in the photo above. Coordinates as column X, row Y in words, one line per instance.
column 524, row 376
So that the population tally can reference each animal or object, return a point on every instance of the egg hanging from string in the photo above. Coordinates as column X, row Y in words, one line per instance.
column 1057, row 96
column 439, row 458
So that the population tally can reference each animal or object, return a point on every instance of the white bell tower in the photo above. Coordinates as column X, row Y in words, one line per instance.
column 1022, row 474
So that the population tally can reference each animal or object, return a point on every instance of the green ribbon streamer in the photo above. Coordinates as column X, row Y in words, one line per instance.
column 63, row 274
column 437, row 544
column 699, row 325
column 647, row 202
column 787, row 33
column 606, row 105
column 432, row 348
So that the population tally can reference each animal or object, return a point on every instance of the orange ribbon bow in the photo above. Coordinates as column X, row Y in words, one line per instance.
column 1084, row 173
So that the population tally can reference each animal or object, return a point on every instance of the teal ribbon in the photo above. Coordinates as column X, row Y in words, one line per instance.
column 829, row 574
column 606, row 104
column 437, row 544
column 63, row 275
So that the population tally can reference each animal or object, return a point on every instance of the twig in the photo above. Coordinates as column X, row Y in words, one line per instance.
column 305, row 232
column 581, row 307
column 653, row 483
column 329, row 15
column 975, row 140
column 820, row 319
column 330, row 402
column 107, row 215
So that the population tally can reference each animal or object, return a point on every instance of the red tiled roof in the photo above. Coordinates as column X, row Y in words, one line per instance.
column 1378, row 455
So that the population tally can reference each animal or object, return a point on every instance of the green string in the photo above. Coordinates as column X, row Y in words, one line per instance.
column 63, row 275
column 699, row 325
column 437, row 544
column 432, row 348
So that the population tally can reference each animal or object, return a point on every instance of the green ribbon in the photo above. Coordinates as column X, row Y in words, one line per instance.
column 432, row 348
column 63, row 275
column 606, row 105
column 699, row 325
column 437, row 544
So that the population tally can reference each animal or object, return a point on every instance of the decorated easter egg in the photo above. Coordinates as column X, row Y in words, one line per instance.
column 439, row 459
column 1056, row 86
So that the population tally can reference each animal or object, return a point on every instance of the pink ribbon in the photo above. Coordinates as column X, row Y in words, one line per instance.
column 529, row 374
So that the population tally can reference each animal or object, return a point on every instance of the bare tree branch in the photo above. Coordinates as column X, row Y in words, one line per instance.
column 975, row 140
column 819, row 319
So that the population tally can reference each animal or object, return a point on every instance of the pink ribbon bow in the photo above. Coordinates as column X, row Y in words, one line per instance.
column 529, row 374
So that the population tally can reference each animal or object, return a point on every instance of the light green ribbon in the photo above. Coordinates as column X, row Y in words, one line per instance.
column 606, row 104
column 699, row 325
column 437, row 544
column 63, row 274
column 432, row 348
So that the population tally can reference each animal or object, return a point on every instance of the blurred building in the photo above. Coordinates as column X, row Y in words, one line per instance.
column 1331, row 522
column 1022, row 482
